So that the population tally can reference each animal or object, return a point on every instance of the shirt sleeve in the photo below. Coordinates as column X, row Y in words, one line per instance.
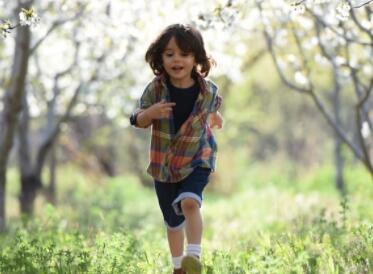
column 216, row 100
column 148, row 97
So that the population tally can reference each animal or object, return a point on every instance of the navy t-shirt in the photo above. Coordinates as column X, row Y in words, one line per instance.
column 185, row 99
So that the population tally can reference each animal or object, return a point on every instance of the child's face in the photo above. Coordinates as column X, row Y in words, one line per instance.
column 178, row 64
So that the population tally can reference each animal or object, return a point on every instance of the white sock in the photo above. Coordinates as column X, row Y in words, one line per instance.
column 176, row 261
column 193, row 249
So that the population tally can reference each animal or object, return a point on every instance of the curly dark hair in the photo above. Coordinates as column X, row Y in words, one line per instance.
column 188, row 39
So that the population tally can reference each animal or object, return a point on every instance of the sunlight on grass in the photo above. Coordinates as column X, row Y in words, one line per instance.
column 104, row 225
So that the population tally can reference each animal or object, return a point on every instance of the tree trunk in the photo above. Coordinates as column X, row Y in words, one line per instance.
column 2, row 201
column 30, row 180
column 29, row 186
column 339, row 166
column 338, row 156
column 12, row 105
column 51, row 191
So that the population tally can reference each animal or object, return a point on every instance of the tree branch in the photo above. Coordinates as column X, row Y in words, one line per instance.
column 269, row 43
column 361, row 5
column 55, row 25
column 344, row 36
column 359, row 25
column 311, row 92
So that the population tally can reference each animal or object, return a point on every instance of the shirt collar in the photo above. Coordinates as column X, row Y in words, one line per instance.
column 161, row 81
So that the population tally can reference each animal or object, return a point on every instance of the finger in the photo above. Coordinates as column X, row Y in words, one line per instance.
column 169, row 104
column 161, row 102
column 167, row 109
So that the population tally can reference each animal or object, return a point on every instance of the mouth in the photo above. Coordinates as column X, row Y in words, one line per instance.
column 177, row 68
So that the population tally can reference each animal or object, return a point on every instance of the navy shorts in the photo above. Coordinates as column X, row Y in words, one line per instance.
column 170, row 196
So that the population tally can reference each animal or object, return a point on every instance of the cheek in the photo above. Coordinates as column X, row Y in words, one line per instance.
column 192, row 61
column 165, row 61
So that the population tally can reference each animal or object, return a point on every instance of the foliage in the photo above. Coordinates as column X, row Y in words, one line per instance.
column 114, row 226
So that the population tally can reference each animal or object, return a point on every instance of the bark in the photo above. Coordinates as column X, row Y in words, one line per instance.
column 51, row 190
column 338, row 156
column 30, row 182
column 12, row 105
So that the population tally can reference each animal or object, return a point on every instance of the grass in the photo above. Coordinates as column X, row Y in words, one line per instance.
column 269, row 225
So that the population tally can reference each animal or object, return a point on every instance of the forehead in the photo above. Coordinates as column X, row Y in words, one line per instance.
column 179, row 43
column 172, row 45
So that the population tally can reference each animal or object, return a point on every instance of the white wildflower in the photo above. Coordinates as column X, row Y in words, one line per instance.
column 28, row 17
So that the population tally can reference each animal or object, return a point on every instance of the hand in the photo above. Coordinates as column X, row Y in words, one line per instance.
column 216, row 120
column 160, row 110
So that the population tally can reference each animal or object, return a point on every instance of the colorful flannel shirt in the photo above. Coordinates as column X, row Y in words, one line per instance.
column 173, row 156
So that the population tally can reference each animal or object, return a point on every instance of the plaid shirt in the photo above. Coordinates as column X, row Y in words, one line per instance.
column 173, row 156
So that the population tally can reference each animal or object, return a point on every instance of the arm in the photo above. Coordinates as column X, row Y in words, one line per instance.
column 143, row 120
column 157, row 111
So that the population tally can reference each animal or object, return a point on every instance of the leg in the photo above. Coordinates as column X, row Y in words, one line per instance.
column 194, row 225
column 166, row 193
column 176, row 241
column 191, row 262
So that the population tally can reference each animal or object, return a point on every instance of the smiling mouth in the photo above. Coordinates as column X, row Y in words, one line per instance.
column 177, row 68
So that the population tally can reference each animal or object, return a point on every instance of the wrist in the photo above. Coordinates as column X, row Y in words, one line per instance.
column 147, row 115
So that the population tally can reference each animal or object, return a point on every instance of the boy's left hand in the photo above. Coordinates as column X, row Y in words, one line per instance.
column 216, row 120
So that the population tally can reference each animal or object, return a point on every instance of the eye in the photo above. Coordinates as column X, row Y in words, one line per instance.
column 185, row 54
column 169, row 54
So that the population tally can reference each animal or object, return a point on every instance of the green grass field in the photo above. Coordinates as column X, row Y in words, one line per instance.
column 268, row 225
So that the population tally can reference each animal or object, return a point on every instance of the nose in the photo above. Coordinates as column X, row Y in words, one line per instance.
column 178, row 57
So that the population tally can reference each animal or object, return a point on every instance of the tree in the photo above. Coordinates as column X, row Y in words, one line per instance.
column 13, row 97
column 306, row 40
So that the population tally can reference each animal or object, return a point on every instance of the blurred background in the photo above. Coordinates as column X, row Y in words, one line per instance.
column 296, row 79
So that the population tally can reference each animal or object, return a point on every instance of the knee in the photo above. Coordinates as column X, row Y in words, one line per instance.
column 189, row 205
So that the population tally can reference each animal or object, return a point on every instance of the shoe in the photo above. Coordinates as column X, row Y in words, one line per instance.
column 179, row 271
column 191, row 265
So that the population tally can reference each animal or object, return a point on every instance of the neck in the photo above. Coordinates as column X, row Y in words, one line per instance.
column 182, row 83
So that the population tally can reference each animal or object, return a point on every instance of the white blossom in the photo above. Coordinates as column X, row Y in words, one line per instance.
column 320, row 59
column 281, row 63
column 300, row 78
column 340, row 60
column 28, row 17
column 367, row 24
column 298, row 9
column 5, row 28
column 343, row 11
column 368, row 69
column 365, row 131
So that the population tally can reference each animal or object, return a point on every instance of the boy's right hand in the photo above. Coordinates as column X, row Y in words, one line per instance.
column 160, row 110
